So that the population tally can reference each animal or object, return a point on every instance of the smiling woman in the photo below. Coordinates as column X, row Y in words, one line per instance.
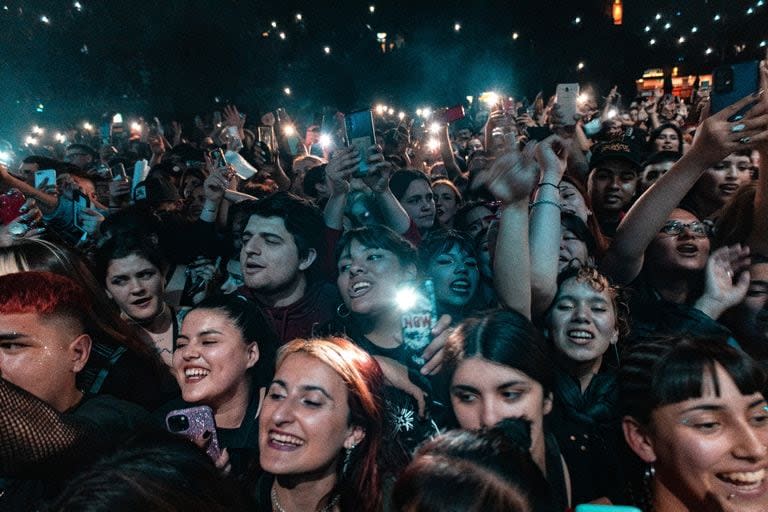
column 223, row 354
column 695, row 416
column 320, row 429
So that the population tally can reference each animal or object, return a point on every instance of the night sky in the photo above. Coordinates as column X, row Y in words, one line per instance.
column 176, row 58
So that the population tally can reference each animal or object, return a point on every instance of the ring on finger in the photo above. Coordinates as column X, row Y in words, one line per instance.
column 738, row 128
column 745, row 140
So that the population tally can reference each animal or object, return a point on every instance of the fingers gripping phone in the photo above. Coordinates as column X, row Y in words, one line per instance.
column 360, row 133
column 198, row 425
column 217, row 158
column 566, row 96
column 419, row 315
column 80, row 202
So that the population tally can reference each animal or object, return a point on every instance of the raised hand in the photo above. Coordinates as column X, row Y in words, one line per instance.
column 727, row 280
column 552, row 155
column 217, row 183
column 379, row 170
column 727, row 131
column 512, row 177
column 341, row 167
column 232, row 117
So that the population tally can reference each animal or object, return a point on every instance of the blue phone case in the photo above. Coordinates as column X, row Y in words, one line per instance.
column 730, row 83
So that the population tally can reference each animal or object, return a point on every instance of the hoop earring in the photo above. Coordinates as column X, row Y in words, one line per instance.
column 342, row 310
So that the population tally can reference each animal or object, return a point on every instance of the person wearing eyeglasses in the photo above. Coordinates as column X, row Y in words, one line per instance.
column 662, row 251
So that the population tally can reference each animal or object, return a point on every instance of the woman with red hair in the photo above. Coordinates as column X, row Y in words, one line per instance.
column 320, row 429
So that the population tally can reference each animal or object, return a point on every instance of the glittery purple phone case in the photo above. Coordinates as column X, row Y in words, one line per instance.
column 197, row 425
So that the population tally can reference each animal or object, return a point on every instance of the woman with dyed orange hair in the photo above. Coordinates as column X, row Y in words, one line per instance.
column 320, row 429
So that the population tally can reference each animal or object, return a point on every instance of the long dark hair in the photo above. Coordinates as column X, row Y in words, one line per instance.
column 506, row 338
column 254, row 326
column 668, row 371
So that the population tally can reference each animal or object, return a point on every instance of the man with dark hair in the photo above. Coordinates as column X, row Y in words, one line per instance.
column 81, row 155
column 655, row 167
column 283, row 249
column 612, row 182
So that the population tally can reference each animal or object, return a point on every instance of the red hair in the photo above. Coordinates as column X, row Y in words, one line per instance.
column 42, row 293
column 360, row 489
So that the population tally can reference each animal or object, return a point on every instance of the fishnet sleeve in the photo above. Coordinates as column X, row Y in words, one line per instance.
column 35, row 439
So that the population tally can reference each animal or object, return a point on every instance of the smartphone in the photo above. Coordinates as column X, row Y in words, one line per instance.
column 266, row 134
column 454, row 114
column 217, row 158
column 521, row 111
column 198, row 425
column 566, row 96
column 267, row 143
column 118, row 172
column 80, row 202
column 10, row 204
column 43, row 175
column 588, row 507
column 217, row 119
column 732, row 82
column 419, row 315
column 360, row 133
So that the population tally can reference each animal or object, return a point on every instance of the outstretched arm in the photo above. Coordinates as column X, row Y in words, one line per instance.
column 715, row 139
column 511, row 179
column 545, row 230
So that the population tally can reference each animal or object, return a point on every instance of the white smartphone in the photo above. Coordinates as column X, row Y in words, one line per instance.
column 566, row 96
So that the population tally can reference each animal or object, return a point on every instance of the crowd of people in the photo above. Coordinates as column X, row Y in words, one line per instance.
column 597, row 329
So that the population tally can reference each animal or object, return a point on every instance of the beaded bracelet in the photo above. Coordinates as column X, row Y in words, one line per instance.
column 545, row 201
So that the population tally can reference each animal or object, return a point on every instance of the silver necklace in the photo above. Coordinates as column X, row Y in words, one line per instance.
column 276, row 504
